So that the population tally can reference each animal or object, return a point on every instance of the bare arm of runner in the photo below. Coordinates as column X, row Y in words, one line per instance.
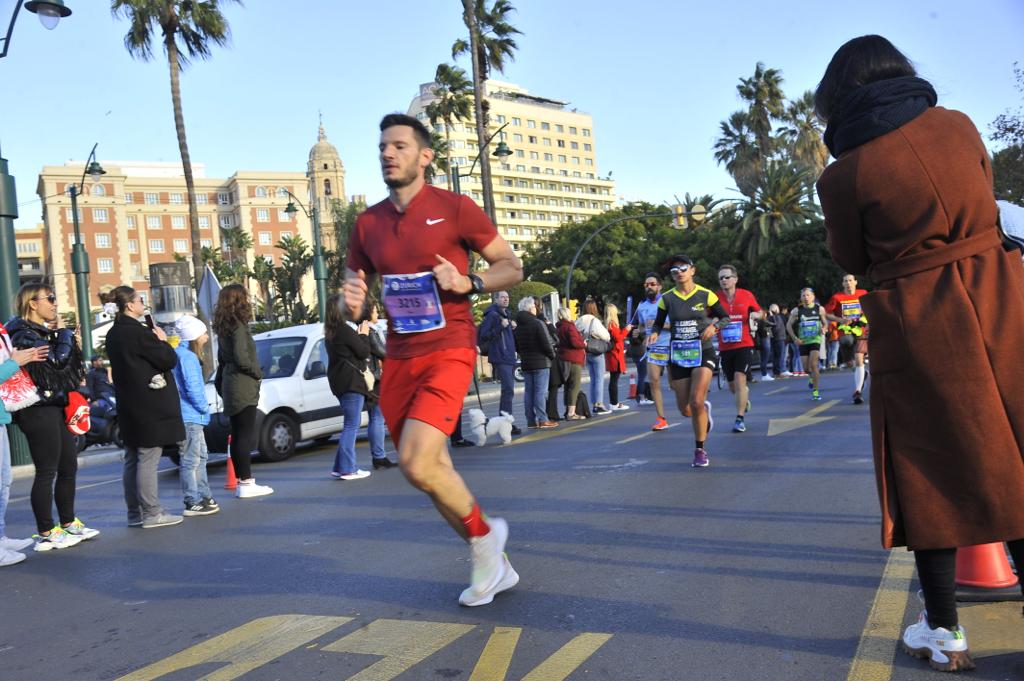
column 505, row 271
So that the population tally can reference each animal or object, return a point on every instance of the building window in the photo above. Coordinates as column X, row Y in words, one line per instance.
column 224, row 221
column 586, row 132
column 501, row 118
column 152, row 222
column 262, row 215
column 204, row 222
column 27, row 247
column 531, row 124
column 563, row 173
column 205, row 243
column 549, row 157
column 532, row 139
column 588, row 161
column 574, row 145
column 572, row 130
column 545, row 126
column 576, row 173
column 98, row 190
column 520, row 169
column 546, row 141
column 156, row 245
column 176, row 198
column 152, row 198
column 534, row 169
column 327, row 187
column 104, row 265
column 282, row 193
column 516, row 137
column 133, row 245
column 71, row 215
column 516, row 121
column 587, row 147
column 99, row 215
column 575, row 160
column 130, row 221
column 177, row 222
column 261, row 192
column 223, row 199
column 202, row 199
column 181, row 246
column 102, row 240
column 534, row 156
column 129, row 197
column 287, row 235
column 264, row 239
column 561, row 158
column 559, row 127
column 282, row 216
column 561, row 143
column 520, row 153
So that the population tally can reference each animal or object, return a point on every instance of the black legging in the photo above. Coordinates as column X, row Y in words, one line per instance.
column 52, row 448
column 613, row 387
column 243, row 441
column 936, row 570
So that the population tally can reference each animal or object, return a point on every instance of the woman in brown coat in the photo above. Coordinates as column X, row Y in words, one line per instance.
column 909, row 201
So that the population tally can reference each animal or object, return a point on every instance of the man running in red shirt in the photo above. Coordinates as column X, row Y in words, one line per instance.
column 735, row 344
column 844, row 308
column 417, row 240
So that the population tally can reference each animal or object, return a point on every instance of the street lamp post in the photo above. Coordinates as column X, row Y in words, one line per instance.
column 501, row 151
column 319, row 270
column 79, row 258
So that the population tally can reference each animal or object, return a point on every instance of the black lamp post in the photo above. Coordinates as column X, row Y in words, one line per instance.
column 79, row 258
column 319, row 270
column 501, row 151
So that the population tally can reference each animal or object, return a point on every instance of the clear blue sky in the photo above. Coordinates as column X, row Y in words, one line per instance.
column 656, row 76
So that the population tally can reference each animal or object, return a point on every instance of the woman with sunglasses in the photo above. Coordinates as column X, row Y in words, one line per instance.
column 51, row 445
column 694, row 314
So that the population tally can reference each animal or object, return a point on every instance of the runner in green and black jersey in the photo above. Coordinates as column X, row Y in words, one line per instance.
column 810, row 324
column 694, row 315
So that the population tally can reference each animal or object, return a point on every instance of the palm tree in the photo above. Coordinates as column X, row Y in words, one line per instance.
column 778, row 204
column 490, row 43
column 237, row 242
column 452, row 92
column 802, row 134
column 737, row 148
column 263, row 273
column 763, row 94
column 440, row 163
column 187, row 29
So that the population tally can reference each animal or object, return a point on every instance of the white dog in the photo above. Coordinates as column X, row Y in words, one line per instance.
column 481, row 427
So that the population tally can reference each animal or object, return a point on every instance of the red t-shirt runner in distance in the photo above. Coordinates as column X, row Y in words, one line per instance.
column 739, row 312
column 846, row 305
column 385, row 241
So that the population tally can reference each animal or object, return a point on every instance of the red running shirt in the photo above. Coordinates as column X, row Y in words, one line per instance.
column 386, row 241
column 739, row 314
column 846, row 305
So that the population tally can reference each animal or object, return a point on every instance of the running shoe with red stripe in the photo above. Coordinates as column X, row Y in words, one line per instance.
column 660, row 424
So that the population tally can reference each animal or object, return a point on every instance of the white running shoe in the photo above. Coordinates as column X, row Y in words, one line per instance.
column 492, row 571
column 15, row 544
column 767, row 378
column 8, row 557
column 644, row 402
column 57, row 539
column 711, row 421
column 358, row 475
column 945, row 650
column 78, row 529
column 248, row 489
column 620, row 407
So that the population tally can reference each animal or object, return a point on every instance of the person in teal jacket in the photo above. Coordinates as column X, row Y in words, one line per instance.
column 195, row 412
column 10, row 549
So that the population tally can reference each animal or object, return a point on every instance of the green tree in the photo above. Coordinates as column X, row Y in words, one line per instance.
column 524, row 289
column 798, row 258
column 1008, row 126
column 802, row 136
column 295, row 263
column 763, row 94
column 263, row 272
column 778, row 204
column 440, row 162
column 187, row 29
column 344, row 218
column 453, row 102
column 1008, row 174
column 490, row 43
column 736, row 148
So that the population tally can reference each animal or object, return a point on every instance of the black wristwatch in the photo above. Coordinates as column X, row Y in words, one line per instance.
column 476, row 283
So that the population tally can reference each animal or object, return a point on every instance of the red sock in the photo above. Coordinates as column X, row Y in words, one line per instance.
column 475, row 524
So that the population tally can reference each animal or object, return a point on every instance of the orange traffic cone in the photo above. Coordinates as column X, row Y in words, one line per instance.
column 983, row 574
column 230, row 481
column 632, row 385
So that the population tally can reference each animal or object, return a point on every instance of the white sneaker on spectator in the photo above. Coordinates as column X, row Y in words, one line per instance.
column 645, row 402
column 8, row 557
column 767, row 378
column 620, row 407
column 56, row 539
column 15, row 544
column 359, row 474
column 248, row 489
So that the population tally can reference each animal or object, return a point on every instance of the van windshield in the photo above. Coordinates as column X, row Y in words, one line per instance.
column 279, row 356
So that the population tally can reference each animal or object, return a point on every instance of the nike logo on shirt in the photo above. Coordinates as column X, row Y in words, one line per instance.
column 434, row 221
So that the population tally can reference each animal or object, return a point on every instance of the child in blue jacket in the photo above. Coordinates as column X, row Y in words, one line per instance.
column 195, row 412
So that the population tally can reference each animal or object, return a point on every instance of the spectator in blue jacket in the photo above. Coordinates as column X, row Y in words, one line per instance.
column 195, row 412
column 497, row 336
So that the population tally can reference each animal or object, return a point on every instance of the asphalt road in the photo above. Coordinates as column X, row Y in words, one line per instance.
column 766, row 565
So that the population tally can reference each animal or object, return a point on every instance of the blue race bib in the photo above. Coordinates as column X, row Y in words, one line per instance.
column 686, row 353
column 412, row 302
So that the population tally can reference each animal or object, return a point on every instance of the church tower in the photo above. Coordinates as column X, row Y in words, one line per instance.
column 326, row 175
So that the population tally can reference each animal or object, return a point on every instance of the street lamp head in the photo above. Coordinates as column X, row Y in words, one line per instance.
column 698, row 213
column 95, row 171
column 502, row 151
column 50, row 12
column 290, row 209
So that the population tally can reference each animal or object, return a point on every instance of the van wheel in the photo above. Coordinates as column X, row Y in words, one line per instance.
column 279, row 436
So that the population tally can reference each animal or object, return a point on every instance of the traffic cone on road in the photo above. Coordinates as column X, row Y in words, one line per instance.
column 230, row 481
column 632, row 385
column 983, row 573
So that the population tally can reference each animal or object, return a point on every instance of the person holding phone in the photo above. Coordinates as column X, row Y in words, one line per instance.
column 149, row 414
column 51, row 445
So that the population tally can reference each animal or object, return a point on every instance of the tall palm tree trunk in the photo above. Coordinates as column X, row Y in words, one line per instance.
column 448, row 152
column 469, row 16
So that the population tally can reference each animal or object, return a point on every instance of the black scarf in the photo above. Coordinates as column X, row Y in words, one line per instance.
column 875, row 109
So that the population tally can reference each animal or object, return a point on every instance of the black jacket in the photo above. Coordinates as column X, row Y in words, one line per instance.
column 64, row 367
column 533, row 342
column 348, row 354
column 148, row 417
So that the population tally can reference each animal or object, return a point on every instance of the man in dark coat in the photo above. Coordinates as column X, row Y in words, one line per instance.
column 149, row 411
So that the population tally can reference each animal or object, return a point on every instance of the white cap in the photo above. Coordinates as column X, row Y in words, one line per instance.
column 189, row 328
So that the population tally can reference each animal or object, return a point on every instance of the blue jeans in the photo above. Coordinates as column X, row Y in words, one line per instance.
column 5, row 476
column 536, row 395
column 352, row 409
column 506, row 373
column 833, row 353
column 766, row 352
column 595, row 365
column 194, row 455
column 375, row 432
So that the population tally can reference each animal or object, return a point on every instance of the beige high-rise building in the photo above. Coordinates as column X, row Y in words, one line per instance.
column 552, row 175
column 138, row 214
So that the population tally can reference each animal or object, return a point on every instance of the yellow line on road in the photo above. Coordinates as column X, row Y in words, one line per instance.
column 566, row 659
column 876, row 651
column 494, row 661
column 563, row 430
column 402, row 645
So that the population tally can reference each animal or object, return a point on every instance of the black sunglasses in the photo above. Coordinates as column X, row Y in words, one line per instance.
column 52, row 298
column 725, row 276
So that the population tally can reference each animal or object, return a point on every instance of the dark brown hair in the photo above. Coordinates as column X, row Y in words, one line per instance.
column 418, row 129
column 121, row 296
column 334, row 315
column 860, row 61
column 232, row 309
